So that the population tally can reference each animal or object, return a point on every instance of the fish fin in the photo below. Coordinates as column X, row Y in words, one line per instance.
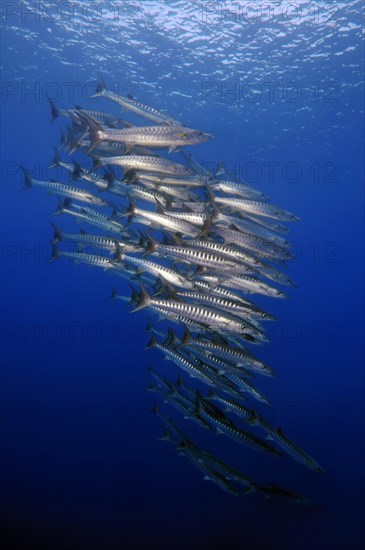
column 220, row 170
column 255, row 419
column 129, row 147
column 159, row 206
column 126, row 123
column 206, row 226
column 97, row 163
column 173, row 148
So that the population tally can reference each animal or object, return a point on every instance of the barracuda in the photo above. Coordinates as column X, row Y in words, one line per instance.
column 171, row 137
column 131, row 104
column 240, row 357
column 80, row 257
column 186, row 365
column 188, row 254
column 161, row 220
column 277, row 435
column 228, row 428
column 258, row 208
column 136, row 162
column 63, row 190
column 198, row 313
column 89, row 216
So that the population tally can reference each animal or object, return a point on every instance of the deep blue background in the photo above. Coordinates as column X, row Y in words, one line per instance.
column 79, row 460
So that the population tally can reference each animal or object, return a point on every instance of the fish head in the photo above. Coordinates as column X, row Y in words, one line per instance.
column 195, row 136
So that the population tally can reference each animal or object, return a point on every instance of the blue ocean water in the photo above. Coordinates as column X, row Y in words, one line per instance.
column 280, row 86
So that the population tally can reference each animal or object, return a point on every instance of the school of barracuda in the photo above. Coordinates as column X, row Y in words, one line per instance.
column 196, row 248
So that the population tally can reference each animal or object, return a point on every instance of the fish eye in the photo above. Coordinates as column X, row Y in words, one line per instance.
column 278, row 292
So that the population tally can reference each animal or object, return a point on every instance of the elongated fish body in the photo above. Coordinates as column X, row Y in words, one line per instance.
column 222, row 366
column 184, row 363
column 103, row 118
column 258, row 246
column 84, row 239
column 191, row 217
column 123, row 189
column 154, row 136
column 192, row 206
column 109, row 120
column 64, row 190
column 258, row 208
column 252, row 285
column 249, row 226
column 239, row 410
column 176, row 193
column 228, row 428
column 272, row 491
column 236, row 188
column 207, row 316
column 247, row 387
column 226, row 470
column 238, row 356
column 163, row 221
column 150, row 136
column 226, row 304
column 196, row 256
column 223, row 292
column 239, row 255
column 145, row 162
column 277, row 435
column 159, row 178
column 209, row 472
column 168, row 274
column 130, row 104
column 80, row 257
column 98, row 220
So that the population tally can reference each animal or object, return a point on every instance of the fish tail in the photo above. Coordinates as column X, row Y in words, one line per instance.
column 28, row 180
column 152, row 343
column 211, row 395
column 143, row 300
column 101, row 86
column 114, row 294
column 57, row 235
column 55, row 113
column 151, row 246
column 56, row 159
column 55, row 254
column 77, row 170
column 95, row 132
column 109, row 177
